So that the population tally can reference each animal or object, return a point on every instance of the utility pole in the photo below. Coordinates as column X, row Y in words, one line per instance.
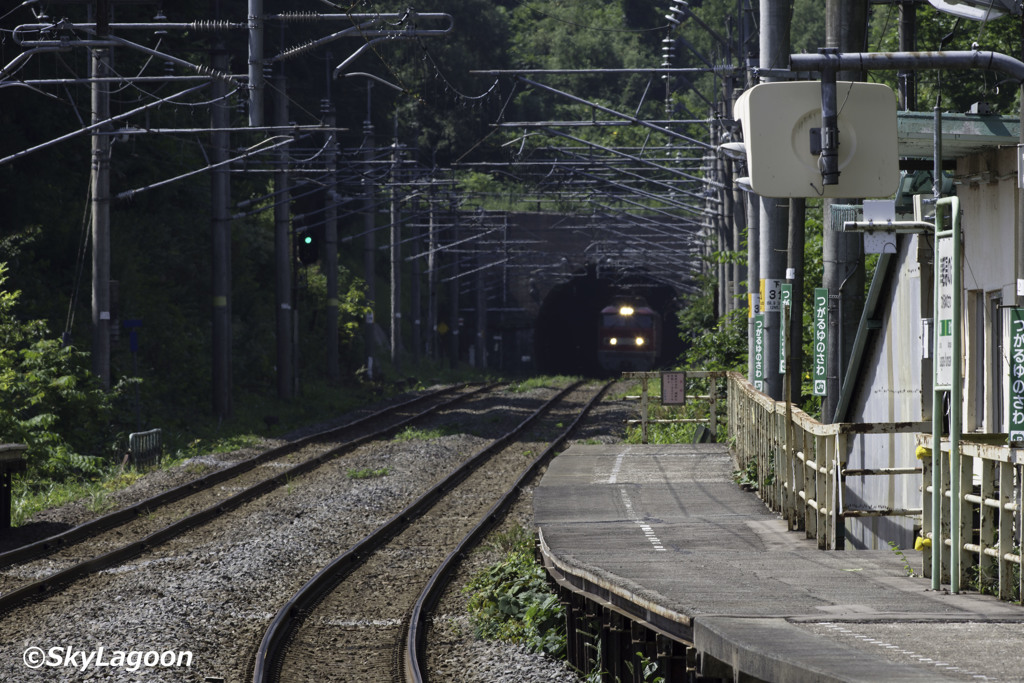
column 481, row 312
column 100, row 189
column 842, row 252
column 432, row 278
column 283, row 258
column 256, row 82
column 396, row 251
column 753, row 210
column 453, row 294
column 330, row 246
column 795, row 267
column 415, row 305
column 774, row 224
column 369, row 239
column 220, row 197
column 718, row 213
column 907, row 80
column 743, row 218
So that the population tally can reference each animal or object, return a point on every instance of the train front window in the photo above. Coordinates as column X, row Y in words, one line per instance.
column 644, row 322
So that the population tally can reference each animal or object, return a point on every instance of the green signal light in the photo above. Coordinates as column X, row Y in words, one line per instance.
column 307, row 239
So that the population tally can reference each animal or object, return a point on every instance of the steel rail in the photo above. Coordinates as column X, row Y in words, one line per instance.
column 445, row 572
column 60, row 579
column 117, row 518
column 270, row 654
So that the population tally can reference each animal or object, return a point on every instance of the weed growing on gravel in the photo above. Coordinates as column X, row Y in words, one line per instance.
column 98, row 503
column 26, row 500
column 26, row 503
column 512, row 601
column 413, row 434
column 368, row 473
column 541, row 382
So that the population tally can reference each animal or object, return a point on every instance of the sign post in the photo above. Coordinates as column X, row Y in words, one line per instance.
column 821, row 340
column 1016, row 375
column 759, row 356
column 946, row 374
column 944, row 322
column 786, row 294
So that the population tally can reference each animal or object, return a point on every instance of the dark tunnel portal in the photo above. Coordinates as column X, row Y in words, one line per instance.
column 566, row 333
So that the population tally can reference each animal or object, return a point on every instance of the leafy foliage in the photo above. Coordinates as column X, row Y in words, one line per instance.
column 711, row 344
column 49, row 400
column 512, row 601
column 940, row 31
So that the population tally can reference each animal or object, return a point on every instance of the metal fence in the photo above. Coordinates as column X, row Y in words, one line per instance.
column 145, row 448
column 706, row 379
column 987, row 514
column 799, row 464
column 798, row 467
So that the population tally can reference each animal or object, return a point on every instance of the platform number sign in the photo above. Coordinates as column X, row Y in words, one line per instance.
column 759, row 356
column 1016, row 374
column 771, row 295
column 786, row 297
column 820, row 333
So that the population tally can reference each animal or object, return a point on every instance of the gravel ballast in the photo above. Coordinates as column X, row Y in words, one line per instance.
column 213, row 593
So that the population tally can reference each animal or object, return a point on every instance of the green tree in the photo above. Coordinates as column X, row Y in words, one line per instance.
column 49, row 400
column 940, row 31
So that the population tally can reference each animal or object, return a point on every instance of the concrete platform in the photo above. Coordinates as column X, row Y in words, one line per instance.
column 663, row 535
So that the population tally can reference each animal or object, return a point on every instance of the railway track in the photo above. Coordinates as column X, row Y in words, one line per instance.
column 215, row 586
column 47, row 565
column 364, row 616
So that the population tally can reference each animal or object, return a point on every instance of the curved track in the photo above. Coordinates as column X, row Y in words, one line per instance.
column 350, row 619
column 213, row 586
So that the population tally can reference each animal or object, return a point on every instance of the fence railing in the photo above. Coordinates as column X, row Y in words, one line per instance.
column 677, row 383
column 991, row 500
column 145, row 448
column 799, row 464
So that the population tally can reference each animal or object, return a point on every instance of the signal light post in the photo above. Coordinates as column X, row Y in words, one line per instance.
column 307, row 246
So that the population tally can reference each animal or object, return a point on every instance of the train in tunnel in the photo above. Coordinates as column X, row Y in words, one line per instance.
column 578, row 319
column 628, row 335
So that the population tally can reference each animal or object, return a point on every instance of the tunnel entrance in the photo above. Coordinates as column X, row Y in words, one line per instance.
column 566, row 334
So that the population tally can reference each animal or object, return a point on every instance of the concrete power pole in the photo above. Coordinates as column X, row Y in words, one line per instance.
column 396, row 252
column 415, row 304
column 369, row 238
column 453, row 292
column 843, row 253
column 795, row 266
column 907, row 80
column 100, row 187
column 432, row 350
column 331, row 244
column 774, row 224
column 220, row 192
column 283, row 258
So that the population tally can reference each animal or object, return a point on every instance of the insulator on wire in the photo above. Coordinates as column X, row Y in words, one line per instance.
column 215, row 25
column 300, row 16
column 298, row 50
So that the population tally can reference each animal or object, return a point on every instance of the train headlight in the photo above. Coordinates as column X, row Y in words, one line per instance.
column 639, row 341
column 612, row 341
column 626, row 311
